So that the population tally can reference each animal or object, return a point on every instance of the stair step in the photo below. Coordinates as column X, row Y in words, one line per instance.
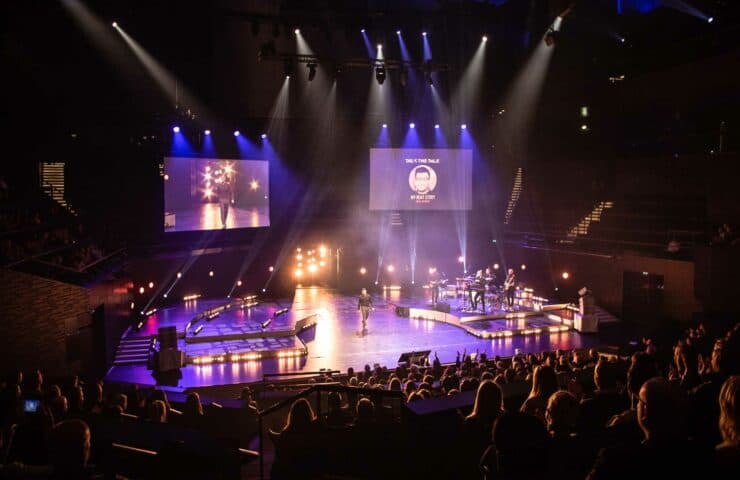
column 131, row 355
column 128, row 362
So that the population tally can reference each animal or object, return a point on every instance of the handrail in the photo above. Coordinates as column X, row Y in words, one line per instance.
column 42, row 254
column 296, row 374
column 318, row 388
column 330, row 387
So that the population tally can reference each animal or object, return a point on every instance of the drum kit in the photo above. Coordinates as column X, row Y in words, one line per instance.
column 468, row 286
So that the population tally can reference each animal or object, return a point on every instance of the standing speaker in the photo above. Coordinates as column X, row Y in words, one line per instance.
column 167, row 338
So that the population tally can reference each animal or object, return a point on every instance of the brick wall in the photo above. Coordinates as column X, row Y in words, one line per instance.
column 38, row 319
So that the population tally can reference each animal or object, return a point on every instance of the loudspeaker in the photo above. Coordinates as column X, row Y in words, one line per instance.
column 418, row 358
column 402, row 311
column 170, row 359
column 442, row 307
column 167, row 338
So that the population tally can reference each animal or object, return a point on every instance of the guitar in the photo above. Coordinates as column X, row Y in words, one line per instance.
column 509, row 282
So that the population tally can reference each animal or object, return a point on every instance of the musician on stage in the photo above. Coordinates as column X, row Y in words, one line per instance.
column 434, row 282
column 477, row 290
column 364, row 305
column 510, row 288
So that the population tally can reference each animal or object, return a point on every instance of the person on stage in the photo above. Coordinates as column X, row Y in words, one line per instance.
column 434, row 281
column 225, row 194
column 477, row 290
column 510, row 288
column 364, row 305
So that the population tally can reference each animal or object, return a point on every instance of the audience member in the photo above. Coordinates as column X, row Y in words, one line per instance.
column 544, row 384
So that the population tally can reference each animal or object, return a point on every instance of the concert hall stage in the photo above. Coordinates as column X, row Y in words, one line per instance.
column 238, row 343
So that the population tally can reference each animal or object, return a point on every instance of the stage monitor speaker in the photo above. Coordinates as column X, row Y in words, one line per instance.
column 167, row 338
column 411, row 358
column 170, row 359
column 442, row 307
column 402, row 311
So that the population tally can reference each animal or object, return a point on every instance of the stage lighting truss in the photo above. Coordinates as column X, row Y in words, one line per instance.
column 381, row 66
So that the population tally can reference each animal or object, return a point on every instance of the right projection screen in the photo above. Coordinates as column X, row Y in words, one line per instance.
column 421, row 179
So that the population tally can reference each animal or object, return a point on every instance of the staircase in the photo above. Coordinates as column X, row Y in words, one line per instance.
column 516, row 191
column 51, row 178
column 133, row 351
column 604, row 317
column 593, row 216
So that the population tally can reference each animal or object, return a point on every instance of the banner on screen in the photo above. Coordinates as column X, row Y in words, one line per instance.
column 215, row 193
column 421, row 179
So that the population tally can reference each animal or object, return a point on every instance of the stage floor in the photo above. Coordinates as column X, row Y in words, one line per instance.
column 334, row 342
column 208, row 217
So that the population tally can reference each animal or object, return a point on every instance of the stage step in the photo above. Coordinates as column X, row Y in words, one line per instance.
column 604, row 316
column 132, row 351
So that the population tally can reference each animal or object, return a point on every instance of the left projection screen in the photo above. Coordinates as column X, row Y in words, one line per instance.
column 215, row 194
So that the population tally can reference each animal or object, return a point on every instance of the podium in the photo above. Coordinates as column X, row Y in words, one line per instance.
column 585, row 320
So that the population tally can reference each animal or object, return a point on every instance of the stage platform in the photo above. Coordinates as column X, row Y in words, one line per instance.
column 319, row 330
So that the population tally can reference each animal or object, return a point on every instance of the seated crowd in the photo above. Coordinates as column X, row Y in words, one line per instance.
column 662, row 411
column 666, row 411
column 66, row 430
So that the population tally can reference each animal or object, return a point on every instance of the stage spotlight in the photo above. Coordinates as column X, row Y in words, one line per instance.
column 114, row 24
column 363, row 270
column 288, row 67
column 551, row 37
column 404, row 77
column 236, row 133
column 322, row 263
column 622, row 39
column 263, row 136
column 176, row 129
column 496, row 266
column 412, row 125
column 297, row 31
column 271, row 269
column 524, row 267
column 151, row 284
column 312, row 268
column 398, row 32
column 380, row 47
column 376, row 282
column 179, row 275
column 385, row 125
column 464, row 126
column 298, row 273
column 238, row 283
column 424, row 34
column 311, row 71
column 484, row 38
column 565, row 275
column 207, row 132
column 380, row 75
column 461, row 259
column 141, row 290
column 391, row 268
column 710, row 19
column 362, row 30
column 432, row 270
column 584, row 127
column 165, row 295
column 254, row 185
column 210, row 274
column 436, row 126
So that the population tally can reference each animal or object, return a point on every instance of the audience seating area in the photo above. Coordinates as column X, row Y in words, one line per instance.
column 667, row 410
